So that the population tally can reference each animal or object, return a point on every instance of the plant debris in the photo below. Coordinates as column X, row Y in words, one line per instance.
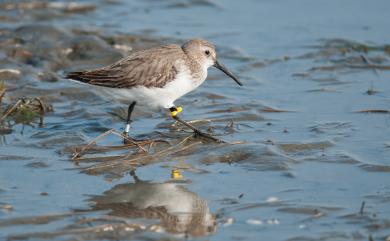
column 24, row 111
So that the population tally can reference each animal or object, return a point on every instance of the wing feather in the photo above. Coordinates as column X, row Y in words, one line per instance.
column 151, row 68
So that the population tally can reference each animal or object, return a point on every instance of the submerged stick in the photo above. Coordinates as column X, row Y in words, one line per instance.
column 91, row 143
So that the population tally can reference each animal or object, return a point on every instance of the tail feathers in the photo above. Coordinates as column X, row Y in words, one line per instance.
column 77, row 76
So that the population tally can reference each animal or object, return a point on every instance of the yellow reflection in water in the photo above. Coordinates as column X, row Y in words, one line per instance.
column 176, row 174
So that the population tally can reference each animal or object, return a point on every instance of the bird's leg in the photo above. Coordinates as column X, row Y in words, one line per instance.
column 175, row 110
column 128, row 120
column 128, row 139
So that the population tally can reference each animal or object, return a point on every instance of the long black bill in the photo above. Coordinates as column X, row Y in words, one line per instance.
column 227, row 72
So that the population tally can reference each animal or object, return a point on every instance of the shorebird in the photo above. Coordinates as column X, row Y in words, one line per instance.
column 156, row 77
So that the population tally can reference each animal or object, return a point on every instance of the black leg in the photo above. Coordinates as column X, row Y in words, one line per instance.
column 128, row 120
column 196, row 130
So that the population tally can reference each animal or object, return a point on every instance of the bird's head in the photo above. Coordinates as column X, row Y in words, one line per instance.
column 204, row 53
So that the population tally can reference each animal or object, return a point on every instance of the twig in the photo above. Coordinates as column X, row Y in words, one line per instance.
column 198, row 132
column 2, row 91
column 100, row 159
column 135, row 160
column 131, row 161
column 10, row 110
column 119, row 147
column 129, row 139
column 92, row 142
column 85, row 148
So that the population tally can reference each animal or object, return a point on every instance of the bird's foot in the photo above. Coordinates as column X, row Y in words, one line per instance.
column 126, row 138
column 197, row 131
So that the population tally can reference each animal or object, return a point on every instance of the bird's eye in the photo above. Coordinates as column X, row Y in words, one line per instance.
column 207, row 52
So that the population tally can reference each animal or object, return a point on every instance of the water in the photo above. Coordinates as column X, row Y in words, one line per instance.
column 301, row 173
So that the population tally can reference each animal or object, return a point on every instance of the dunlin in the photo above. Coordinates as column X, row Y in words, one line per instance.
column 156, row 77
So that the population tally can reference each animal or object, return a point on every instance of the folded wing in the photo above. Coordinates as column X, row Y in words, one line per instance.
column 150, row 68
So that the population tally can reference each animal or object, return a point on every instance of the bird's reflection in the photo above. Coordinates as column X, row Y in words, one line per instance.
column 178, row 209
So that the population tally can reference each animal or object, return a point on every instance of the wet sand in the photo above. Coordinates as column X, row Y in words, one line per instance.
column 309, row 147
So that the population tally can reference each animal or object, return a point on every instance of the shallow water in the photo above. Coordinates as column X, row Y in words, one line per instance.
column 312, row 122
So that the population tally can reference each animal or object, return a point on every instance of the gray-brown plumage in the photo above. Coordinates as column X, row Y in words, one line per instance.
column 149, row 68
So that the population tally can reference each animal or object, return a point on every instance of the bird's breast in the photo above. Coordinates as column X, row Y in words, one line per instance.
column 186, row 82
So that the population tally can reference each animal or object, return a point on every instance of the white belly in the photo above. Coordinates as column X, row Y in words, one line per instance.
column 156, row 97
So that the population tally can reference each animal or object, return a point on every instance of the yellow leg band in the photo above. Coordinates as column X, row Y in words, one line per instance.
column 176, row 110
